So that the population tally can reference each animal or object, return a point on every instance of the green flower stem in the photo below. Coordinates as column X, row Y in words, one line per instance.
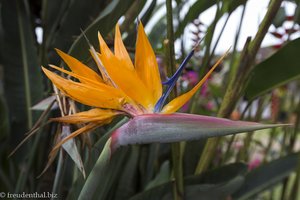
column 219, row 37
column 295, row 194
column 243, row 154
column 178, row 188
column 269, row 145
column 296, row 128
column 236, row 85
column 236, row 39
column 208, row 55
column 28, row 98
column 208, row 41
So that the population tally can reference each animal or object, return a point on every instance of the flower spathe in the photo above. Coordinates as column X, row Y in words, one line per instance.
column 122, row 88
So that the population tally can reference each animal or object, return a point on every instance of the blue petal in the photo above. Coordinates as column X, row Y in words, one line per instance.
column 171, row 83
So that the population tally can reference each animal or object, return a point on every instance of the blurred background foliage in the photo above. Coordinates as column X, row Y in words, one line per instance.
column 256, row 84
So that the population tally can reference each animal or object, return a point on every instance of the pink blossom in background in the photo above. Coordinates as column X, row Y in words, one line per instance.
column 254, row 163
column 238, row 145
column 185, row 107
column 204, row 89
column 191, row 77
column 209, row 105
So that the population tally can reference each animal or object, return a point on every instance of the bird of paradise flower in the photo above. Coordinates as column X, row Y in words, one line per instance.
column 135, row 90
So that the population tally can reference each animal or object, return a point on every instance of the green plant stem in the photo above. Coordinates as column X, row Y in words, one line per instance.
column 236, row 85
column 269, row 145
column 233, row 137
column 171, row 68
column 236, row 39
column 177, row 158
column 295, row 192
column 243, row 154
column 208, row 40
column 25, row 68
column 219, row 37
column 207, row 56
column 296, row 128
column 295, row 188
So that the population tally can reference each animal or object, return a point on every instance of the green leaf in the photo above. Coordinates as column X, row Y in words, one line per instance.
column 195, row 10
column 280, row 17
column 279, row 69
column 192, row 153
column 90, row 162
column 160, row 128
column 104, row 23
column 162, row 176
column 4, row 123
column 199, row 6
column 266, row 176
column 62, row 20
column 22, row 79
column 104, row 174
column 215, row 184
column 128, row 179
column 132, row 32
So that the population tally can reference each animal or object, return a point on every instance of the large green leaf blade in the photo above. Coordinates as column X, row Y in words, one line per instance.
column 267, row 176
column 160, row 128
column 22, row 80
column 279, row 69
column 212, row 185
column 64, row 19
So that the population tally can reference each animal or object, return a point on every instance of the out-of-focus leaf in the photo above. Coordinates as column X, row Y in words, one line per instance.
column 4, row 123
column 132, row 14
column 145, row 18
column 22, row 79
column 163, row 176
column 177, row 127
column 91, row 183
column 71, row 148
column 266, row 176
column 128, row 180
column 104, row 173
column 199, row 6
column 62, row 20
column 280, row 17
column 130, row 39
column 231, row 5
column 216, row 184
column 44, row 104
column 158, row 33
column 194, row 11
column 90, row 162
column 104, row 23
column 192, row 153
column 209, row 191
column 52, row 15
column 277, row 70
